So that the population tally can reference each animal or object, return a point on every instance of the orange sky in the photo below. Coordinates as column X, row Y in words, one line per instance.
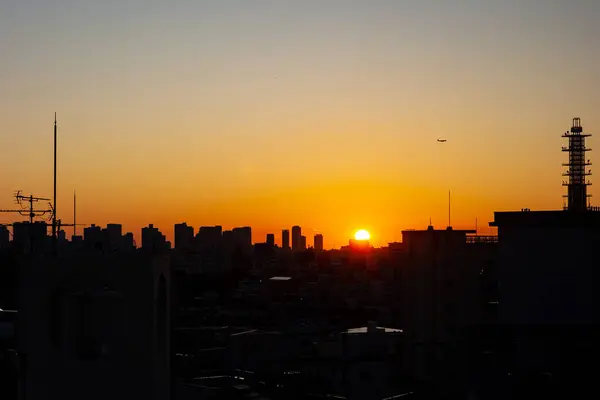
column 280, row 114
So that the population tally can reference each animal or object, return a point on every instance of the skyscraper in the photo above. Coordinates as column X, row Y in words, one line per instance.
column 242, row 237
column 296, row 234
column 271, row 239
column 184, row 236
column 302, row 242
column 209, row 236
column 285, row 239
column 318, row 243
column 153, row 239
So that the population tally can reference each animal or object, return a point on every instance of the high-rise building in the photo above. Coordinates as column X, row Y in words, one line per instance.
column 285, row 239
column 296, row 234
column 228, row 240
column 128, row 241
column 271, row 239
column 115, row 231
column 184, row 236
column 318, row 243
column 92, row 237
column 209, row 236
column 243, row 237
column 153, row 239
column 112, row 236
column 302, row 242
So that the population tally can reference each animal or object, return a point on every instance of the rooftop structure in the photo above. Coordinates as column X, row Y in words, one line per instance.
column 280, row 278
column 577, row 196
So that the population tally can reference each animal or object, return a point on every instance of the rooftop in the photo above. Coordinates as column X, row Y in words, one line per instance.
column 430, row 229
column 280, row 278
column 365, row 329
column 552, row 218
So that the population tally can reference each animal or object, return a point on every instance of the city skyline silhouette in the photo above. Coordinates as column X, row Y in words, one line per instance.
column 324, row 116
column 299, row 200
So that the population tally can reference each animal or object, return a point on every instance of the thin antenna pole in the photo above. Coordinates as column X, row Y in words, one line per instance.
column 449, row 224
column 475, row 224
column 74, row 213
column 54, row 197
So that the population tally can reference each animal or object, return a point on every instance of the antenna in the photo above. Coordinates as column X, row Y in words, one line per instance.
column 476, row 225
column 74, row 213
column 449, row 224
column 30, row 211
column 54, row 198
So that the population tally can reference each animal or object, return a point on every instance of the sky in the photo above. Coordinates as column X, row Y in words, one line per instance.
column 318, row 113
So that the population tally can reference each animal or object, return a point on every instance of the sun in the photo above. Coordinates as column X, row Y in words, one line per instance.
column 362, row 234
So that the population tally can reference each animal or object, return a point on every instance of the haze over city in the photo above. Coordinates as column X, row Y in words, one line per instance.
column 276, row 113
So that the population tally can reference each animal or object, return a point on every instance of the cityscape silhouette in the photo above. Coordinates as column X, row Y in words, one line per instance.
column 298, row 200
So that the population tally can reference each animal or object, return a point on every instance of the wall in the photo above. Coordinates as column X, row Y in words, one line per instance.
column 90, row 328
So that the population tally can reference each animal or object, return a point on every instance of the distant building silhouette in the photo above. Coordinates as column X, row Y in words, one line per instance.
column 359, row 244
column 128, row 241
column 302, row 242
column 153, row 239
column 184, row 236
column 209, row 236
column 228, row 241
column 318, row 242
column 296, row 237
column 285, row 239
column 271, row 239
column 242, row 237
column 265, row 257
column 114, row 232
column 92, row 237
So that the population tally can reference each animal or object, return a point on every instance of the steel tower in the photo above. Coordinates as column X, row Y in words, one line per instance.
column 577, row 197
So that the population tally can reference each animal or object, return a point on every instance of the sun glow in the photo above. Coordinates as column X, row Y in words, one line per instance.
column 362, row 234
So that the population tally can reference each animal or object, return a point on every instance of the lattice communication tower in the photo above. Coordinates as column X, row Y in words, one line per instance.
column 577, row 197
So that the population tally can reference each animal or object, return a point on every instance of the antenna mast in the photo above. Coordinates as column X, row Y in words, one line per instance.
column 74, row 213
column 54, row 198
column 449, row 222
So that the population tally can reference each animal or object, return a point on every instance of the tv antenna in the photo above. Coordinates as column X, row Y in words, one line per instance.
column 29, row 209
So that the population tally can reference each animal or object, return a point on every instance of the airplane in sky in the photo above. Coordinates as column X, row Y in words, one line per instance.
column 442, row 140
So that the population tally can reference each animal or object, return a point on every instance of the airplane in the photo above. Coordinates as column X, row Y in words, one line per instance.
column 442, row 140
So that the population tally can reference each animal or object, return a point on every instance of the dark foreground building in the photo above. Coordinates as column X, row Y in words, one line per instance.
column 94, row 327
column 548, row 270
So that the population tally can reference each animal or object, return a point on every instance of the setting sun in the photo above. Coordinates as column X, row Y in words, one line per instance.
column 362, row 235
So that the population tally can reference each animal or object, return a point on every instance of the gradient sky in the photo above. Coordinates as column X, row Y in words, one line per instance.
column 321, row 113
